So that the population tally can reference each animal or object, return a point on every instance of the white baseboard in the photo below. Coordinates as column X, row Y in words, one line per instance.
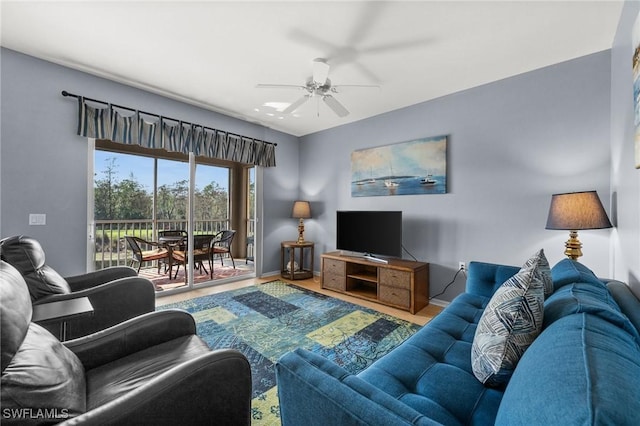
column 438, row 302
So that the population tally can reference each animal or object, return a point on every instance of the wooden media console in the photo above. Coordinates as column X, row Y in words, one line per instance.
column 399, row 283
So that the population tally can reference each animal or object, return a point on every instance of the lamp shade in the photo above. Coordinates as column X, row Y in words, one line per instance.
column 577, row 210
column 301, row 210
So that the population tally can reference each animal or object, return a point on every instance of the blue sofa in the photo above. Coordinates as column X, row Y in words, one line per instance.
column 583, row 368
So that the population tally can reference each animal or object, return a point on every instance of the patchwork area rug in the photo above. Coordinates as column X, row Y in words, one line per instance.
column 267, row 320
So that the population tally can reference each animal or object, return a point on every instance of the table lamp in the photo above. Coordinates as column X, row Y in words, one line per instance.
column 576, row 211
column 301, row 210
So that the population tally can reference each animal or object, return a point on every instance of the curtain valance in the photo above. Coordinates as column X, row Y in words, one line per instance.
column 132, row 127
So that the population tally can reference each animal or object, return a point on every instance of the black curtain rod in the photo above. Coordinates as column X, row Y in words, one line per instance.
column 67, row 94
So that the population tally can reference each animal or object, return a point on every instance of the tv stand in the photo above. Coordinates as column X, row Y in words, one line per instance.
column 367, row 256
column 399, row 283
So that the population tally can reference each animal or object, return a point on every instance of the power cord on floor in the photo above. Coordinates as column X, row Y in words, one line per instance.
column 450, row 283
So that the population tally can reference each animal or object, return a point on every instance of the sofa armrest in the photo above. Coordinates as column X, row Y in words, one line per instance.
column 212, row 388
column 627, row 301
column 315, row 391
column 92, row 279
column 483, row 279
column 113, row 303
column 132, row 336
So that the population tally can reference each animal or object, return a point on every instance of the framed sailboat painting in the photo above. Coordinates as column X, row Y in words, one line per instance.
column 408, row 168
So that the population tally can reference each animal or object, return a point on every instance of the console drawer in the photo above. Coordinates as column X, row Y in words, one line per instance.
column 395, row 278
column 333, row 267
column 333, row 282
column 395, row 296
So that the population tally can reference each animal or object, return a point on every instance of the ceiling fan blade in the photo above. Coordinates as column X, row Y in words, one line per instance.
column 320, row 71
column 335, row 89
column 297, row 104
column 279, row 86
column 336, row 106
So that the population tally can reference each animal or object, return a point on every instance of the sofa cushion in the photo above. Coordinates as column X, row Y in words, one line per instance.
column 542, row 271
column 569, row 271
column 333, row 396
column 431, row 371
column 581, row 370
column 627, row 301
column 44, row 374
column 483, row 279
column 509, row 324
column 586, row 298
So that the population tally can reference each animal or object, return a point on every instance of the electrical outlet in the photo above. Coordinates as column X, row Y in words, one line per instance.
column 462, row 266
column 37, row 219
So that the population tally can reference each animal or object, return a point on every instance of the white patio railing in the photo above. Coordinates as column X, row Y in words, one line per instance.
column 112, row 250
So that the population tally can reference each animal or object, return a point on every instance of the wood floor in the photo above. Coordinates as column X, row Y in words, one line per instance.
column 420, row 318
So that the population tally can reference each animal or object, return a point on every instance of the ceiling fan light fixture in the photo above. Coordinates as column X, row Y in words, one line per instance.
column 317, row 86
column 320, row 71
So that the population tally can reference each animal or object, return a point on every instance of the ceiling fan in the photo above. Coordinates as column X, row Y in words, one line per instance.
column 318, row 86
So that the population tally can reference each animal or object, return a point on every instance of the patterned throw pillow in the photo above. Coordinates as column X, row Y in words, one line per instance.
column 542, row 270
column 509, row 324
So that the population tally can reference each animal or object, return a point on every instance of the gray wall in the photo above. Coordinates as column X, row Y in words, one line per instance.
column 512, row 144
column 625, row 178
column 43, row 163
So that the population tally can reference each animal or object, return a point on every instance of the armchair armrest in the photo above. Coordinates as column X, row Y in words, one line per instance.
column 212, row 388
column 131, row 336
column 483, row 279
column 315, row 391
column 92, row 279
column 113, row 302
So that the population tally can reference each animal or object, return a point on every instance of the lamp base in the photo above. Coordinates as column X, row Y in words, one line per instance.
column 573, row 246
column 301, row 231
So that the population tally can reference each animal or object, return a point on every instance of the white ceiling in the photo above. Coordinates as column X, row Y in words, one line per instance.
column 213, row 53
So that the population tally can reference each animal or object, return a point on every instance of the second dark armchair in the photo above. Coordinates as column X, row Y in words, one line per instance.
column 149, row 370
column 116, row 293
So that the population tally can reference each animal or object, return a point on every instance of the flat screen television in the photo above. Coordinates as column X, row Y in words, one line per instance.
column 369, row 233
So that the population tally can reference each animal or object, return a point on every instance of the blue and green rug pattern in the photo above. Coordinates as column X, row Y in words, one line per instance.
column 267, row 320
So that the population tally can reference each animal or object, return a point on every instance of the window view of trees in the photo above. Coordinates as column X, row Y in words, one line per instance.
column 124, row 200
column 127, row 198
column 120, row 199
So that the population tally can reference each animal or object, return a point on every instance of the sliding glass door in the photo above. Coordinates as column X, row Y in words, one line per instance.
column 168, row 205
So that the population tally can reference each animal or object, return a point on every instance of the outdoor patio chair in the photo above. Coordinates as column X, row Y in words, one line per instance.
column 201, row 252
column 146, row 251
column 172, row 235
column 220, row 246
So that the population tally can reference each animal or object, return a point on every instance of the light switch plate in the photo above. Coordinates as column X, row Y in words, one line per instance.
column 37, row 219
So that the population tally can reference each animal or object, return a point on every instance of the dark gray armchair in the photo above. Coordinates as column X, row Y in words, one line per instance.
column 116, row 293
column 152, row 369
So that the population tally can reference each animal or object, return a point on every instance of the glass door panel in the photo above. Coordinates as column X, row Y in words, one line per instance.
column 171, row 216
column 211, row 216
column 122, row 206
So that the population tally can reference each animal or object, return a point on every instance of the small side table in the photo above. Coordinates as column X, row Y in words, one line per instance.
column 61, row 311
column 292, row 268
